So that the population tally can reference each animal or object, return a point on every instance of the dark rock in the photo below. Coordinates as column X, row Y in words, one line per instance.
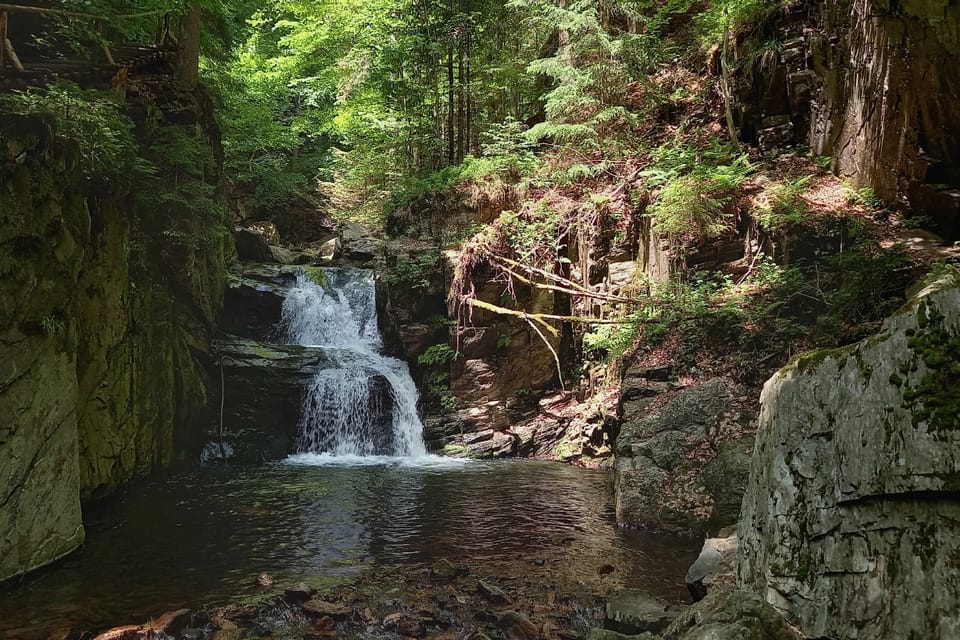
column 251, row 245
column 262, row 384
column 297, row 594
column 254, row 299
column 633, row 611
column 773, row 139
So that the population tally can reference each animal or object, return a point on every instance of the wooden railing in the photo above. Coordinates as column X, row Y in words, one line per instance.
column 111, row 62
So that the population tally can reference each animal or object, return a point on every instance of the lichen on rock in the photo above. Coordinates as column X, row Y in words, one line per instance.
column 850, row 523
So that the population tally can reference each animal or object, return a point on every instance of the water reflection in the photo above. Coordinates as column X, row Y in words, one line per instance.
column 200, row 538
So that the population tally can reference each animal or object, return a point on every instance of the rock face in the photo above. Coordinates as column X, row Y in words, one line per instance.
column 851, row 524
column 865, row 83
column 105, row 323
column 680, row 463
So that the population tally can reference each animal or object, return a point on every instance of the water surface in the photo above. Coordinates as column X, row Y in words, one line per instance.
column 200, row 538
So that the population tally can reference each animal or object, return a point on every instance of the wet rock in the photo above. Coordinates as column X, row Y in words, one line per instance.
column 633, row 611
column 253, row 300
column 262, row 385
column 251, row 245
column 297, row 594
column 716, row 565
column 264, row 580
column 443, row 570
column 517, row 626
column 734, row 615
column 319, row 607
column 493, row 593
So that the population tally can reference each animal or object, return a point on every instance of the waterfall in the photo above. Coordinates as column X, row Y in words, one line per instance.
column 364, row 403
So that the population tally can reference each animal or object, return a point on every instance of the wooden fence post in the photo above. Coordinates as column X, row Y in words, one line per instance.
column 3, row 36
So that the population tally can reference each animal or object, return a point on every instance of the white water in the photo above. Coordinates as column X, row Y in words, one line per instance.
column 344, row 418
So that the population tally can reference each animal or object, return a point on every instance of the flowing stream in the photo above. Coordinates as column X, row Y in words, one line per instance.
column 366, row 405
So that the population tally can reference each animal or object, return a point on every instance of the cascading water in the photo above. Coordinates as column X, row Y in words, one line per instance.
column 365, row 403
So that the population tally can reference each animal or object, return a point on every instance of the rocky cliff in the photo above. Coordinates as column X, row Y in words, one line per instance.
column 106, row 305
column 871, row 84
column 851, row 520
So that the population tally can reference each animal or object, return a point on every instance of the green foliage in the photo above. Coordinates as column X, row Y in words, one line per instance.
column 865, row 196
column 784, row 205
column 698, row 184
column 93, row 122
column 413, row 273
column 438, row 354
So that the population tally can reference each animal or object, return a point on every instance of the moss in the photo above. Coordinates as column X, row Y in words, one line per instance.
column 935, row 400
column 317, row 275
column 811, row 361
column 456, row 451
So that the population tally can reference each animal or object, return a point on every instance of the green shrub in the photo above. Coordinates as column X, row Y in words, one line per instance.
column 438, row 354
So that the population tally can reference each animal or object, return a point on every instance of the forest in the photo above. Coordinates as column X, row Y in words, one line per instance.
column 479, row 319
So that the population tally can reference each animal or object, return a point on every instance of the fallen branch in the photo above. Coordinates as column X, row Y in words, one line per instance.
column 540, row 317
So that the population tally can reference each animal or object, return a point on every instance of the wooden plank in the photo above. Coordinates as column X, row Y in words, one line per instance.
column 17, row 8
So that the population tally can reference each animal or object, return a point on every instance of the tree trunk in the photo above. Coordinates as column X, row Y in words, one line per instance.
column 188, row 48
column 451, row 98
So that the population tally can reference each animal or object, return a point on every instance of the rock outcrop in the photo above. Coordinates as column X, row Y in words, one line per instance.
column 682, row 453
column 851, row 521
column 106, row 307
column 871, row 84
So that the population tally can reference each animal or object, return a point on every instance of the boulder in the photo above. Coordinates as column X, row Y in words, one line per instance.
column 682, row 456
column 851, row 521
column 715, row 567
column 251, row 245
column 633, row 611
column 735, row 615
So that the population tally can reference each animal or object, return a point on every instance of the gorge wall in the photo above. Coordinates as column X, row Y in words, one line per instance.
column 851, row 519
column 106, row 316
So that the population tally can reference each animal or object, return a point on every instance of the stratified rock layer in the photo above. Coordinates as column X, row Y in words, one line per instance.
column 851, row 521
